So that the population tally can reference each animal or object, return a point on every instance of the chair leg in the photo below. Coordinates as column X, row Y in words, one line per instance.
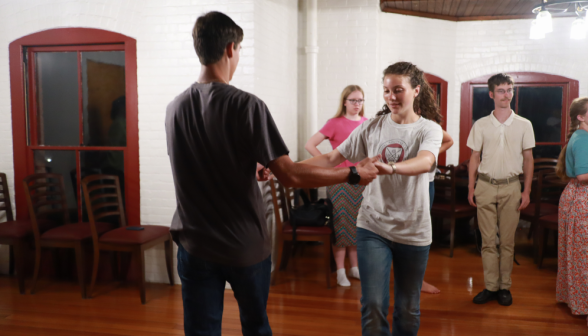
column 542, row 244
column 37, row 267
column 451, row 237
column 19, row 264
column 328, row 251
column 95, row 265
column 80, row 265
column 11, row 261
column 113, row 265
column 125, row 263
column 287, row 253
column 169, row 261
column 531, row 230
column 140, row 256
column 277, row 259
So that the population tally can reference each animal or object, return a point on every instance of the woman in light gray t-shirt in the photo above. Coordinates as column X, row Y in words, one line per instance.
column 394, row 223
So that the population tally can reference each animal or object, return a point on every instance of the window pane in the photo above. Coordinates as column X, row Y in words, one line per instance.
column 483, row 105
column 547, row 151
column 57, row 98
column 542, row 106
column 63, row 163
column 103, row 162
column 103, row 80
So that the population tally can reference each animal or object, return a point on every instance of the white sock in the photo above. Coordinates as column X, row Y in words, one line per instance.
column 354, row 272
column 342, row 278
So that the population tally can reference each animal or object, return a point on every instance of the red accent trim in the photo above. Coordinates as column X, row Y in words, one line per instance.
column 84, row 148
column 82, row 39
column 570, row 92
column 432, row 79
column 80, row 101
column 79, row 185
column 94, row 47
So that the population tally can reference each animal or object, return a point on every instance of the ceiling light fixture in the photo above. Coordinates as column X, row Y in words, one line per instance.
column 544, row 23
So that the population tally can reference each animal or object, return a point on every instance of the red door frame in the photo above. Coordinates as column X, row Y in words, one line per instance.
column 68, row 37
column 432, row 79
column 571, row 91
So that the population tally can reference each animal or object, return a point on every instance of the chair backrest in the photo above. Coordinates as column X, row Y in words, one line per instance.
column 103, row 199
column 445, row 185
column 5, row 204
column 282, row 202
column 46, row 199
column 549, row 188
column 544, row 164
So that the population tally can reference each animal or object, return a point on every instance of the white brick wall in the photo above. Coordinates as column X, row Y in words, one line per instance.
column 166, row 65
column 356, row 42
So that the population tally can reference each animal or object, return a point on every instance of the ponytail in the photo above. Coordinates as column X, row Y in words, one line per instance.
column 578, row 107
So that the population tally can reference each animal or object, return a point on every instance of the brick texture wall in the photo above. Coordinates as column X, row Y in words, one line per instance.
column 166, row 65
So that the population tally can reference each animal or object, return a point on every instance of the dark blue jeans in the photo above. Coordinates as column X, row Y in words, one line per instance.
column 203, row 290
column 376, row 255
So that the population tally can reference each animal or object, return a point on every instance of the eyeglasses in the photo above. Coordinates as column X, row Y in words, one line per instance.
column 355, row 101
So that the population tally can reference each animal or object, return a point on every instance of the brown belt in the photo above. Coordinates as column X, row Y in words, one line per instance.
column 492, row 181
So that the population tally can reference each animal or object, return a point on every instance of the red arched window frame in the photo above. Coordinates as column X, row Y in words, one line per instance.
column 440, row 87
column 571, row 91
column 70, row 37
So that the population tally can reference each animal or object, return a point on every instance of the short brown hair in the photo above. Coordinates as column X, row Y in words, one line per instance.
column 499, row 79
column 212, row 33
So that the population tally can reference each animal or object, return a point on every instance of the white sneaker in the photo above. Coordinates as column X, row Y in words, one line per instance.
column 342, row 278
column 354, row 272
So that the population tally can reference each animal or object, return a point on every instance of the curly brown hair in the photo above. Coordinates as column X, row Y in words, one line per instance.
column 425, row 104
column 578, row 107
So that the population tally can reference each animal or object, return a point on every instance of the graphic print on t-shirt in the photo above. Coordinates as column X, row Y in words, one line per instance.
column 393, row 151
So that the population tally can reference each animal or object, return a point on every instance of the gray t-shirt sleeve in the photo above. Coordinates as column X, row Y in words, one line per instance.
column 431, row 142
column 261, row 133
column 354, row 148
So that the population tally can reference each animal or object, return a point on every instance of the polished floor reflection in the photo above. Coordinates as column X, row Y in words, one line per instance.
column 300, row 304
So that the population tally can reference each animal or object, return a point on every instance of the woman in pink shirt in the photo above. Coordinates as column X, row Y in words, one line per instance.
column 346, row 198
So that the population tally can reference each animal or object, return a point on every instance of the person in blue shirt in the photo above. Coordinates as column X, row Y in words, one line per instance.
column 572, row 287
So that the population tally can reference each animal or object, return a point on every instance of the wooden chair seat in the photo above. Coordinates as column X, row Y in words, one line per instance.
column 16, row 229
column 15, row 234
column 75, row 231
column 549, row 221
column 46, row 201
column 124, row 236
column 103, row 198
column 460, row 207
column 447, row 204
column 282, row 202
column 544, row 209
column 307, row 230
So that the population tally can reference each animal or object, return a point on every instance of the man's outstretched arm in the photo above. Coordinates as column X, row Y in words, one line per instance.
column 301, row 175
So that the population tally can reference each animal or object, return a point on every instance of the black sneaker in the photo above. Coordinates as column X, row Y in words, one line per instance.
column 504, row 297
column 485, row 296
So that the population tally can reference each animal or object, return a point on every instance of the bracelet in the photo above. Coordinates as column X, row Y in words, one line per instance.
column 393, row 165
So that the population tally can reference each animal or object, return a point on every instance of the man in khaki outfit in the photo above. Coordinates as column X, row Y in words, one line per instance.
column 506, row 142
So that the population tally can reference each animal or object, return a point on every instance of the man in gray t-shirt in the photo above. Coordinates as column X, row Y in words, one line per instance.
column 216, row 136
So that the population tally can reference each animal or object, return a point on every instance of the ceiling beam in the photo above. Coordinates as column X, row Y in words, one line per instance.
column 385, row 8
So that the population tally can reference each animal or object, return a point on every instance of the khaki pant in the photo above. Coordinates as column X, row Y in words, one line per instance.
column 498, row 209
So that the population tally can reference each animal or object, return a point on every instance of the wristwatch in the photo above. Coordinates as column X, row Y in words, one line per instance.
column 354, row 177
column 393, row 165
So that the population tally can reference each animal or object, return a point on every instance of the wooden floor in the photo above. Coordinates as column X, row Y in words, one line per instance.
column 300, row 304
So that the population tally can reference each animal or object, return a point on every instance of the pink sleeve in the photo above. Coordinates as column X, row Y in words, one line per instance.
column 329, row 129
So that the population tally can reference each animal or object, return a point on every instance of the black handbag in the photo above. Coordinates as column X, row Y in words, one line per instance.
column 314, row 214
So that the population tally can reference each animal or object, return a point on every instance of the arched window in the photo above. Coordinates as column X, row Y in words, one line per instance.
column 543, row 99
column 439, row 85
column 74, row 111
